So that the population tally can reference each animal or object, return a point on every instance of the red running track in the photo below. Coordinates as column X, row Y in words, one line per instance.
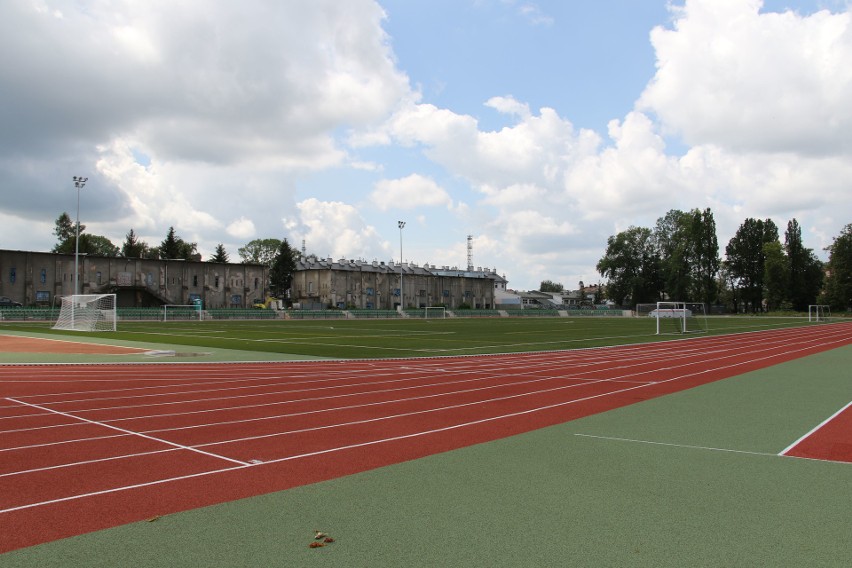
column 83, row 448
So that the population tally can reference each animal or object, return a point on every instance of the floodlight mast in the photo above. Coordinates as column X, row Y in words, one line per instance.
column 79, row 183
column 401, row 225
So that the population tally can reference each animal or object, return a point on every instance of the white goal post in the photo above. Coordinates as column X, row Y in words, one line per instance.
column 434, row 312
column 819, row 312
column 182, row 312
column 675, row 317
column 87, row 312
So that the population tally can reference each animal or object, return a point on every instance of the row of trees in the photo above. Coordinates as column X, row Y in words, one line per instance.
column 278, row 255
column 679, row 259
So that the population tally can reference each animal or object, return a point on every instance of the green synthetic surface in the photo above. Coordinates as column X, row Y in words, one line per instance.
column 700, row 484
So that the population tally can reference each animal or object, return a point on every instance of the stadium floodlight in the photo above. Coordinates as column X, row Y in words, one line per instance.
column 401, row 225
column 79, row 183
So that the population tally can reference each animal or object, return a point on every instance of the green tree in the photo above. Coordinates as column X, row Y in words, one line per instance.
column 66, row 234
column 92, row 245
column 282, row 270
column 671, row 239
column 175, row 247
column 775, row 275
column 220, row 256
column 705, row 262
column 260, row 251
column 745, row 259
column 689, row 254
column 550, row 286
column 838, row 282
column 805, row 269
column 632, row 266
column 133, row 247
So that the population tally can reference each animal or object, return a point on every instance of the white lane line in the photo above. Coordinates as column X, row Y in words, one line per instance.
column 688, row 446
column 814, row 429
column 130, row 432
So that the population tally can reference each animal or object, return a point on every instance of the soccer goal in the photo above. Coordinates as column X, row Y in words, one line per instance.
column 819, row 312
column 174, row 312
column 432, row 312
column 678, row 317
column 87, row 312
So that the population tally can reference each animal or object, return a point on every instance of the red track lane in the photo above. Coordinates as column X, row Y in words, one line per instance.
column 831, row 441
column 122, row 457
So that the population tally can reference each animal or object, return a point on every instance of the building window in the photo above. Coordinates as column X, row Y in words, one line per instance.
column 98, row 277
column 369, row 291
column 43, row 276
column 13, row 275
column 216, row 283
column 446, row 293
column 256, row 282
column 195, row 280
column 422, row 293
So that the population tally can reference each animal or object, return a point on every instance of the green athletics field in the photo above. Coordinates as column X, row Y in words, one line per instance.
column 357, row 339
column 694, row 478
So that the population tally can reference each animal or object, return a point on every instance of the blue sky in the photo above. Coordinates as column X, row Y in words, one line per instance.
column 539, row 128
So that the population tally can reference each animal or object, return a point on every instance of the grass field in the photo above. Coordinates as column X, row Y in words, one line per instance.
column 693, row 478
column 357, row 339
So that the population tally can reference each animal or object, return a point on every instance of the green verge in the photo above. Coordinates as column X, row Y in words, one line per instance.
column 552, row 497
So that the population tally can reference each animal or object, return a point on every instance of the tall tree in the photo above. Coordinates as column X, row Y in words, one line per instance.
column 775, row 275
column 282, row 270
column 746, row 259
column 838, row 284
column 260, row 251
column 133, row 247
column 170, row 247
column 220, row 256
column 175, row 247
column 805, row 269
column 66, row 234
column 673, row 243
column 632, row 266
column 689, row 254
column 705, row 261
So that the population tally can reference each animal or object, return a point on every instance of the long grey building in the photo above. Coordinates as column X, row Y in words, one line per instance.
column 360, row 284
column 39, row 278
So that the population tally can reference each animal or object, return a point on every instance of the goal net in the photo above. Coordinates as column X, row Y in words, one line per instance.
column 675, row 317
column 433, row 312
column 818, row 312
column 87, row 312
column 174, row 312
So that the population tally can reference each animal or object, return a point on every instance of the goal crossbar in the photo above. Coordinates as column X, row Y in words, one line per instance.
column 87, row 312
column 676, row 317
column 819, row 312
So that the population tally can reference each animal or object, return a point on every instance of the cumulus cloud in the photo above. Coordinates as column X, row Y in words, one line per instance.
column 731, row 75
column 247, row 94
column 335, row 229
column 411, row 192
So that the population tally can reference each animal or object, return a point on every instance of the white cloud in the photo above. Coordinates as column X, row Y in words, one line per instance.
column 336, row 229
column 411, row 192
column 242, row 228
column 732, row 76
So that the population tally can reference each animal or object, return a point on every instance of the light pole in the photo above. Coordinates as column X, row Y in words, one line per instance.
column 79, row 183
column 401, row 293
